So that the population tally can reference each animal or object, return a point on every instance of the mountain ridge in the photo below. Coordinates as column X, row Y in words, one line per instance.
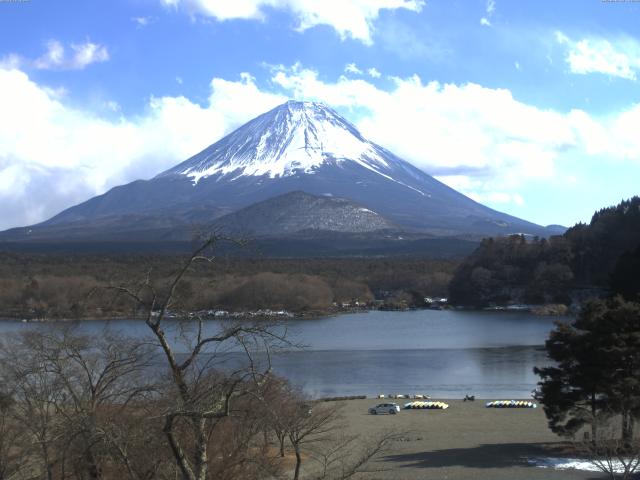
column 298, row 212
column 297, row 146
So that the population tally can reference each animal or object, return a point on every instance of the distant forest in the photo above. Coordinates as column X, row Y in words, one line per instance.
column 600, row 257
column 71, row 285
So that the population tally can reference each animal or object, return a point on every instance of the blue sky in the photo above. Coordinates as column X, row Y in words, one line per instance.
column 532, row 108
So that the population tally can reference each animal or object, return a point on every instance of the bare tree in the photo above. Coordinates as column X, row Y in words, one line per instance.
column 99, row 378
column 239, row 446
column 342, row 457
column 13, row 441
column 616, row 457
column 72, row 392
column 278, row 403
column 36, row 392
column 202, row 395
column 307, row 426
column 315, row 430
column 131, row 437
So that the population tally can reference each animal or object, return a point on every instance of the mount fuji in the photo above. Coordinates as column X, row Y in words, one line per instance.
column 296, row 147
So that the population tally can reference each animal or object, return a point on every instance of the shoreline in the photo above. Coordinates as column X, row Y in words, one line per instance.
column 27, row 317
column 402, row 401
column 546, row 310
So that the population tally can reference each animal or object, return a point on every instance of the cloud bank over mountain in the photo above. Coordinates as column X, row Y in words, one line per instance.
column 464, row 134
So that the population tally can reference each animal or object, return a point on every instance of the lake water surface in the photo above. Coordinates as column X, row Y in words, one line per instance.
column 446, row 354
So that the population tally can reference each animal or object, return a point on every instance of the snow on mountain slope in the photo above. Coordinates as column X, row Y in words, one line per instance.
column 298, row 146
column 294, row 137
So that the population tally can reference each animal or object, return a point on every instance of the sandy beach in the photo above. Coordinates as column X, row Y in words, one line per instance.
column 466, row 441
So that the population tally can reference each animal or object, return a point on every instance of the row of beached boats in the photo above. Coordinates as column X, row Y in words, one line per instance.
column 422, row 402
column 494, row 404
column 426, row 405
column 417, row 396
column 511, row 404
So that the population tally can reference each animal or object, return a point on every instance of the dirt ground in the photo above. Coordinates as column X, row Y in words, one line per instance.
column 466, row 441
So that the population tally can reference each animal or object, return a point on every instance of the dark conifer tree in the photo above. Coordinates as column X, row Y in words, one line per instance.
column 573, row 391
column 625, row 279
column 597, row 371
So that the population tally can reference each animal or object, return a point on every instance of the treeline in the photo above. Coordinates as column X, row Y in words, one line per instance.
column 601, row 255
column 73, row 286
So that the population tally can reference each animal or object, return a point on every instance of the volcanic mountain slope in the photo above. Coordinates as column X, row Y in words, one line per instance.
column 297, row 212
column 298, row 146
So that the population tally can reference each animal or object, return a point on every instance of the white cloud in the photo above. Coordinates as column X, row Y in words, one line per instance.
column 479, row 140
column 350, row 18
column 53, row 57
column 355, row 70
column 11, row 61
column 303, row 83
column 490, row 9
column 373, row 72
column 112, row 105
column 53, row 155
column 599, row 55
column 481, row 191
column 56, row 57
column 441, row 127
column 142, row 21
column 352, row 68
column 86, row 54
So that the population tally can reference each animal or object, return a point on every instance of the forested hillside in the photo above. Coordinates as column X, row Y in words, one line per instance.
column 68, row 286
column 604, row 254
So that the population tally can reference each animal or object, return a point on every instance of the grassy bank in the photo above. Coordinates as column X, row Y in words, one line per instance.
column 463, row 442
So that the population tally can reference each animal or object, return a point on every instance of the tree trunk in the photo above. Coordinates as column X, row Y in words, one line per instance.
column 200, row 458
column 176, row 449
column 92, row 467
column 594, row 420
column 296, row 474
column 47, row 462
column 627, row 427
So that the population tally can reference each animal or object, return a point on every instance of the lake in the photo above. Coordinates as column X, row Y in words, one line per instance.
column 443, row 353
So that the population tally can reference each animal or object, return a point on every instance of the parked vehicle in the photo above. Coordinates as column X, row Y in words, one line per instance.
column 390, row 408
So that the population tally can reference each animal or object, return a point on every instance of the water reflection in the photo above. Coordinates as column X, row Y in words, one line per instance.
column 445, row 354
column 446, row 373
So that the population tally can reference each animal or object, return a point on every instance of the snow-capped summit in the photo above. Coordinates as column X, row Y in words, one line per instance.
column 296, row 147
column 295, row 137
